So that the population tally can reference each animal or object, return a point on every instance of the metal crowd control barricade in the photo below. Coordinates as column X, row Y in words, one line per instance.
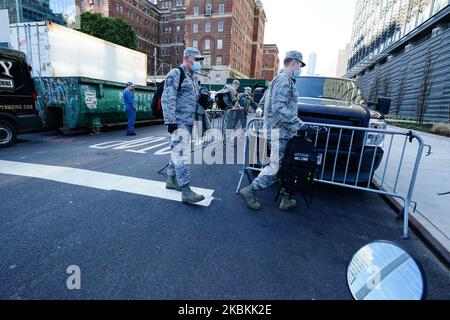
column 215, row 133
column 219, row 122
column 366, row 159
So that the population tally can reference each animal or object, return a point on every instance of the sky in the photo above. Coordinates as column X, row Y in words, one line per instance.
column 320, row 26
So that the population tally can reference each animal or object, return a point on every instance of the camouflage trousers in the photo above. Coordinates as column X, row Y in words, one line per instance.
column 269, row 175
column 180, row 147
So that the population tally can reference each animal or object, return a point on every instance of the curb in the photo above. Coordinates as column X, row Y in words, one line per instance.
column 436, row 247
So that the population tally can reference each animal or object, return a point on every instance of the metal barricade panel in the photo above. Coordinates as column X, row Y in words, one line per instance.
column 356, row 158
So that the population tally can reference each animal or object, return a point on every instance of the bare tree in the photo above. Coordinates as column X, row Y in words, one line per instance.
column 386, row 88
column 425, row 89
column 401, row 92
column 374, row 89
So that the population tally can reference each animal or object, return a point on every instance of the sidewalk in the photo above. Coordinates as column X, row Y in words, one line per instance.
column 432, row 189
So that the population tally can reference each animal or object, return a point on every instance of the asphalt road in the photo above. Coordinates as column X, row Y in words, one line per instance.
column 133, row 246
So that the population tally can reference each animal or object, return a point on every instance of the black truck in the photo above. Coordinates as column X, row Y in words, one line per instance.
column 17, row 97
column 339, row 101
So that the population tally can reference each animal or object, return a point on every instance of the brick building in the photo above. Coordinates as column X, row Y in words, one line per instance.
column 224, row 31
column 258, row 41
column 173, row 14
column 271, row 62
column 230, row 33
column 142, row 15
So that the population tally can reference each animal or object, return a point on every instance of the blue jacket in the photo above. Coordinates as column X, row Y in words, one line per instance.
column 128, row 99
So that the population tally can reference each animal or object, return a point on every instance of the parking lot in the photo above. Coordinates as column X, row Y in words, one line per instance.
column 138, row 242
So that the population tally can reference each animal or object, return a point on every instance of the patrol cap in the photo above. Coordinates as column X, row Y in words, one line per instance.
column 192, row 52
column 296, row 56
column 130, row 84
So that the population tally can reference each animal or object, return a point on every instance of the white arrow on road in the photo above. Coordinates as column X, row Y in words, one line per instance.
column 99, row 180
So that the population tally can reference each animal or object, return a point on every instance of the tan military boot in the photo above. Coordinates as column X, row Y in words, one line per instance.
column 250, row 198
column 172, row 184
column 287, row 203
column 190, row 197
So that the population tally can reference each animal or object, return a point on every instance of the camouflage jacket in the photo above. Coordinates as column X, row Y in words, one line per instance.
column 179, row 106
column 280, row 106
column 228, row 89
column 244, row 100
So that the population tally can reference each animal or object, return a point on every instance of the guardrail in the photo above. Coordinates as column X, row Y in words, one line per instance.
column 216, row 124
column 352, row 158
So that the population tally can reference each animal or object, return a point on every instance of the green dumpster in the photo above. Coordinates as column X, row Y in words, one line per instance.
column 78, row 103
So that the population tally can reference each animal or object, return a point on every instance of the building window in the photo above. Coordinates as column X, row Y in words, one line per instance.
column 167, row 5
column 219, row 61
column 195, row 44
column 220, row 27
column 207, row 44
column 221, row 8
column 180, row 3
column 207, row 61
column 208, row 27
column 178, row 28
column 195, row 28
column 208, row 9
column 196, row 10
column 219, row 43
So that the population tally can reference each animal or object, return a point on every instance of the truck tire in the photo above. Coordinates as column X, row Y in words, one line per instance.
column 8, row 133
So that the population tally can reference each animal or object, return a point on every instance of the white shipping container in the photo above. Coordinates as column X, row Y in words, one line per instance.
column 56, row 51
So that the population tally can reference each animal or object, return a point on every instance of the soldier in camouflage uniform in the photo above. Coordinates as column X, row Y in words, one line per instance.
column 280, row 113
column 179, row 106
column 231, row 100
column 246, row 102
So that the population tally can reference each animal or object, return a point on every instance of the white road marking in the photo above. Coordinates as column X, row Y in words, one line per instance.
column 99, row 180
column 144, row 151
column 127, row 145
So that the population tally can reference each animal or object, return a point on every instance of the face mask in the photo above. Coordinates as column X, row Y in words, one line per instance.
column 297, row 72
column 196, row 66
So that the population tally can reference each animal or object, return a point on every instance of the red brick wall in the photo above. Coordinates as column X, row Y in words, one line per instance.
column 237, row 34
column 172, row 43
column 271, row 63
column 258, row 43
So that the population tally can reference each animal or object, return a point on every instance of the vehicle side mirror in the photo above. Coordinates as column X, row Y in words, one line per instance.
column 383, row 105
column 383, row 271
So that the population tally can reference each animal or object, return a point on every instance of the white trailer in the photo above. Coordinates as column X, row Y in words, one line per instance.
column 56, row 51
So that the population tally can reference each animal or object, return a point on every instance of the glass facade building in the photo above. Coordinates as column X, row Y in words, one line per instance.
column 380, row 23
column 63, row 12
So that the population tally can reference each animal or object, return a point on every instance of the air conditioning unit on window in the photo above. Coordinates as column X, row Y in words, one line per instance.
column 408, row 47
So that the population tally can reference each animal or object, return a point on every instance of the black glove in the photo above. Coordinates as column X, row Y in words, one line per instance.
column 302, row 132
column 171, row 128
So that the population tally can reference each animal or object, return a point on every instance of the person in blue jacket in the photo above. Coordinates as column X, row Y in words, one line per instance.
column 130, row 107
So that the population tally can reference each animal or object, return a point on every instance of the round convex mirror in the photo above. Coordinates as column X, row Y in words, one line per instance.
column 383, row 271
